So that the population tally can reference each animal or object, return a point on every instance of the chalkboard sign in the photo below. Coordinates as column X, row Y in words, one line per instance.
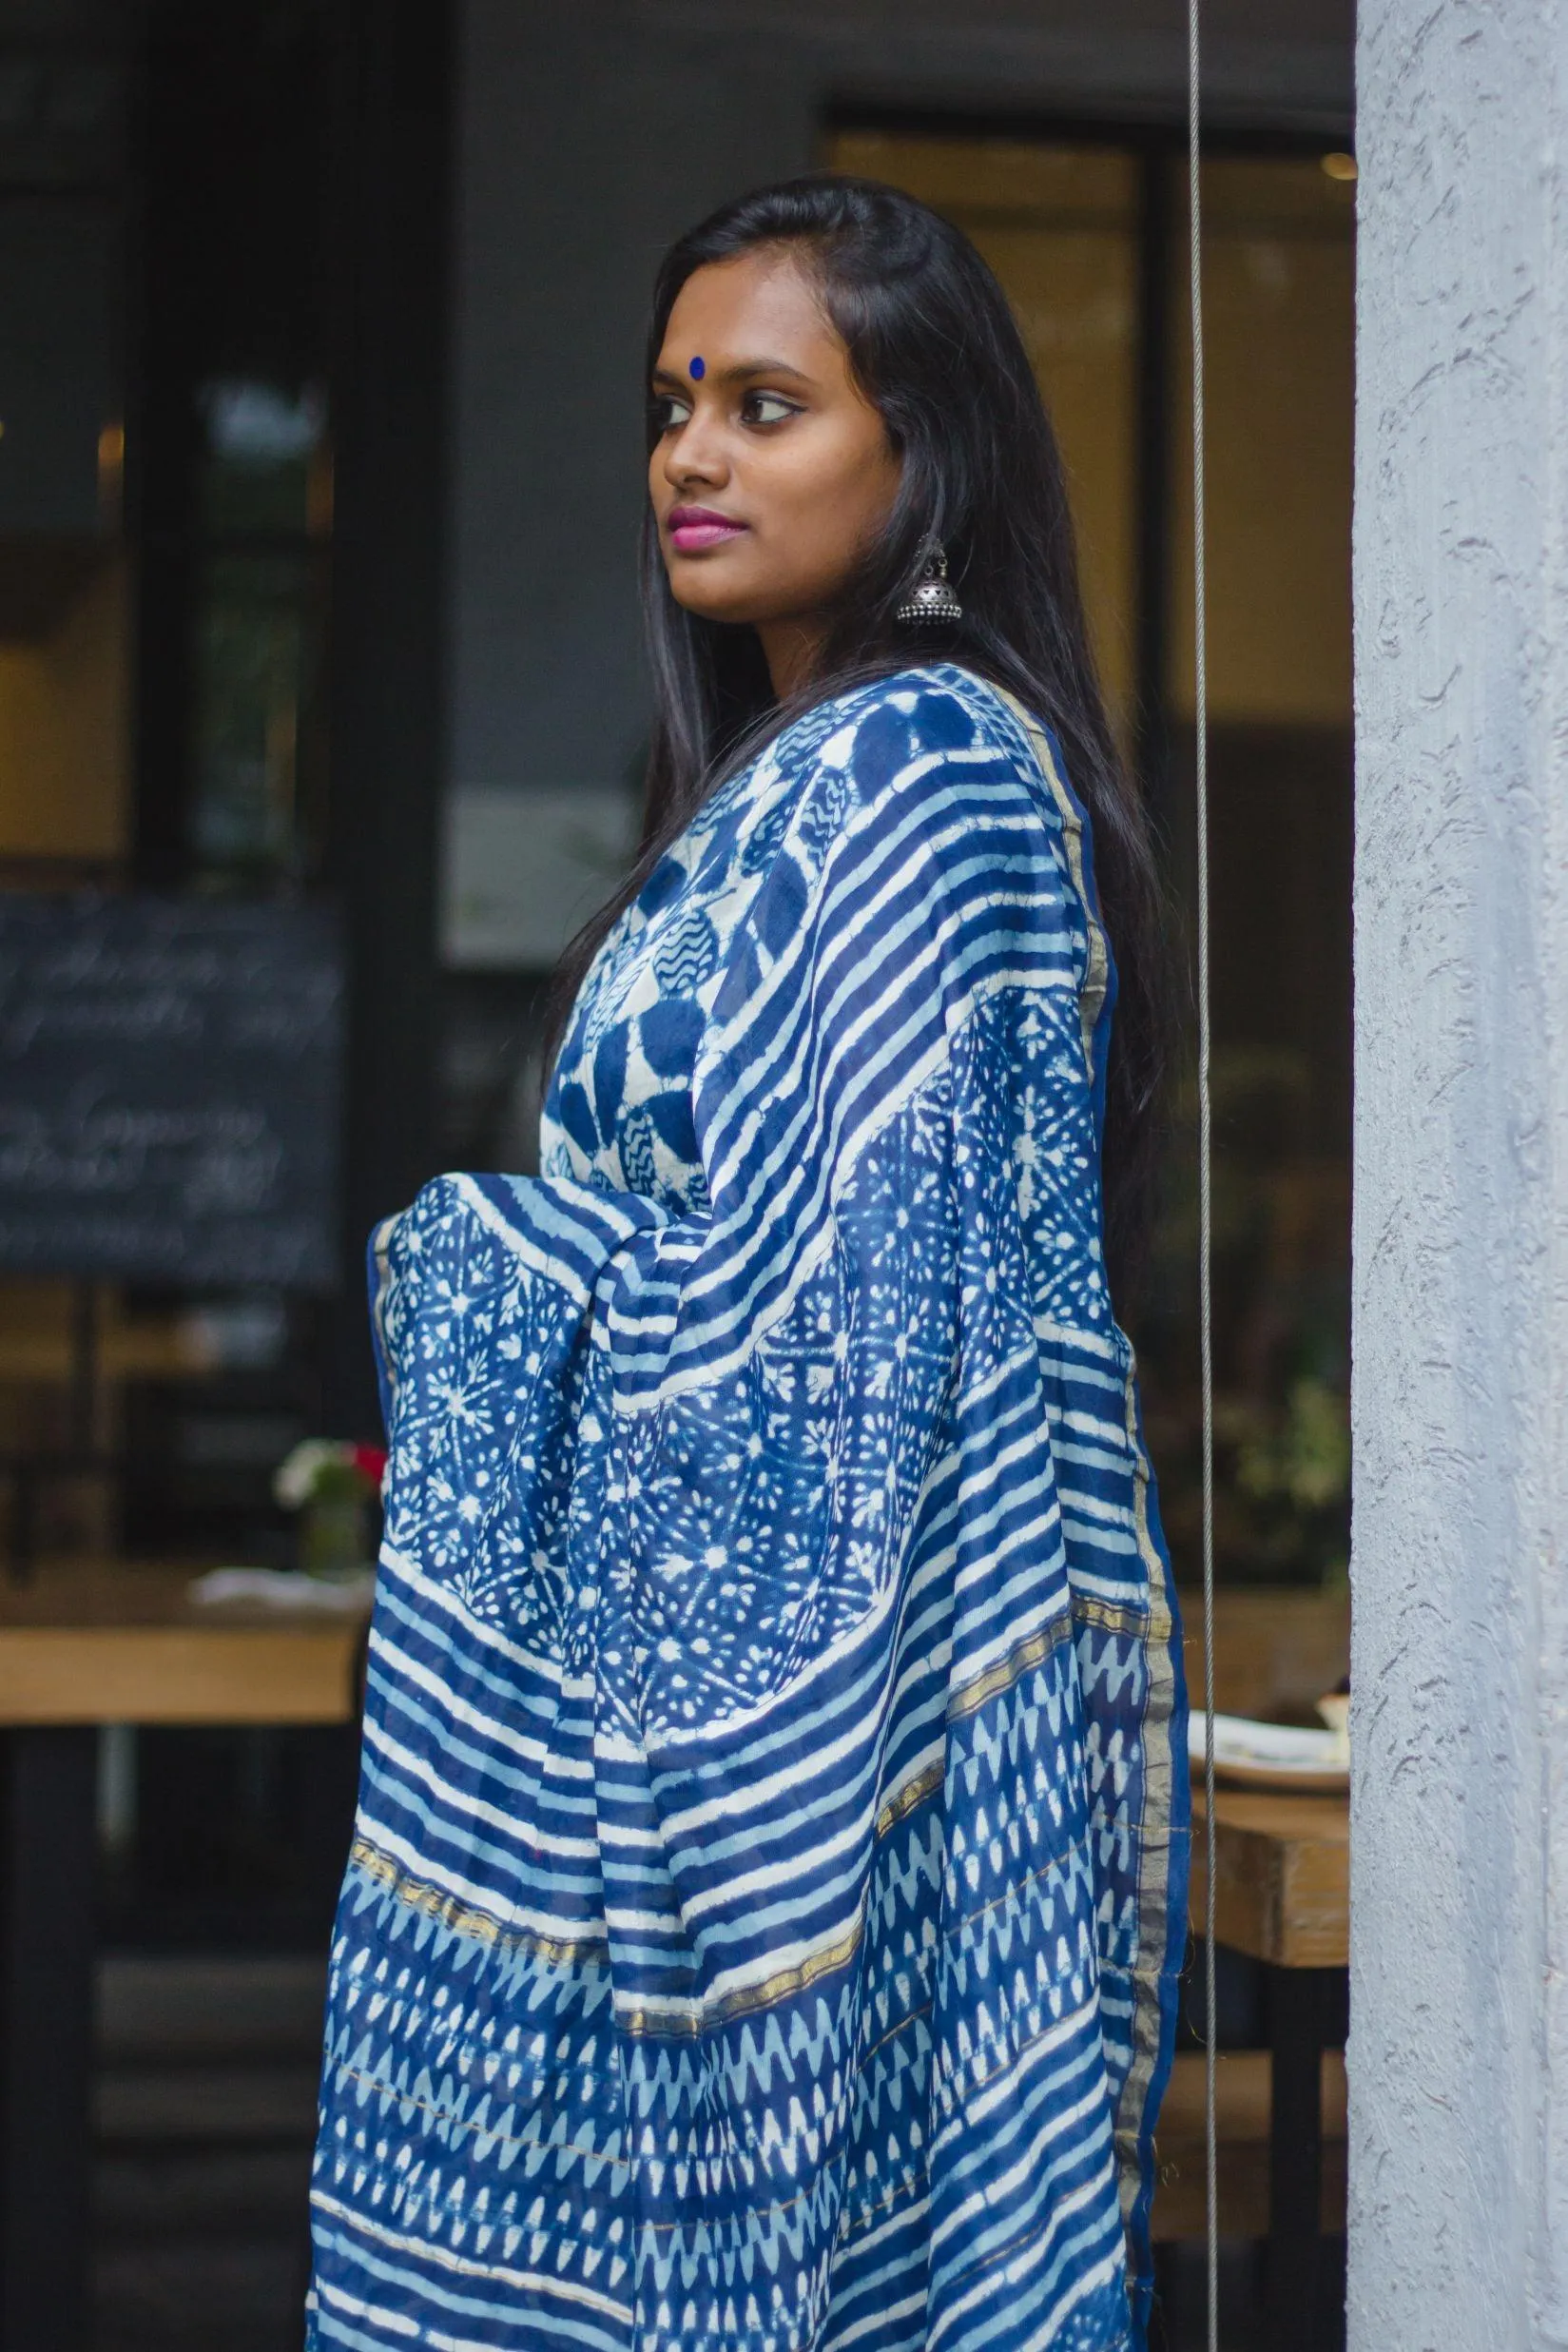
column 170, row 1081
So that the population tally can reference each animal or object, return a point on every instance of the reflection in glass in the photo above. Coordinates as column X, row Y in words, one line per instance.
column 264, row 461
column 1279, row 347
column 257, row 657
column 1279, row 307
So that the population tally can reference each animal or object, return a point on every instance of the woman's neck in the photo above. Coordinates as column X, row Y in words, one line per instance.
column 791, row 649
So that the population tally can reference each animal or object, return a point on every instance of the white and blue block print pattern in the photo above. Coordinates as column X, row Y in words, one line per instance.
column 769, row 1879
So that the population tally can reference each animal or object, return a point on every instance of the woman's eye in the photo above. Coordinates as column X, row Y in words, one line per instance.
column 766, row 408
column 667, row 411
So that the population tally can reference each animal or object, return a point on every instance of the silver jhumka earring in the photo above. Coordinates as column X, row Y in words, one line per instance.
column 933, row 600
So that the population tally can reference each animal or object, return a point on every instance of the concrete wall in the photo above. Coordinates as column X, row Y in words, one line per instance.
column 1458, row 2060
column 593, row 131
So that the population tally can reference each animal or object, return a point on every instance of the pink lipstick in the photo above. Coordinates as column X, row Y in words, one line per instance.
column 693, row 529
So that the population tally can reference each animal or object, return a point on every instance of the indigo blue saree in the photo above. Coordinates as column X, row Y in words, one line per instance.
column 769, row 1879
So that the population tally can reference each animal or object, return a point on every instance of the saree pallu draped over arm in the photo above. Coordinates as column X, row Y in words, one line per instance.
column 769, row 1879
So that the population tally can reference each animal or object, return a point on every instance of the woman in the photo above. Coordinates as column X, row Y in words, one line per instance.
column 761, row 1927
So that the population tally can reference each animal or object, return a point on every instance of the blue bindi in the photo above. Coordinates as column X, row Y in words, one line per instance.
column 699, row 369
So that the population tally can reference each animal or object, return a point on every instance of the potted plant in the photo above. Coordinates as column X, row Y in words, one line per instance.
column 333, row 1486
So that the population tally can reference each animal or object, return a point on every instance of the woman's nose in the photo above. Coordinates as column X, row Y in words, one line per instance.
column 695, row 454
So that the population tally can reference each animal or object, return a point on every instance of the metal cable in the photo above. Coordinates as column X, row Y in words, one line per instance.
column 1206, row 1304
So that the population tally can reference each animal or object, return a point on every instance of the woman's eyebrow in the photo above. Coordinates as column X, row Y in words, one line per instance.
column 765, row 367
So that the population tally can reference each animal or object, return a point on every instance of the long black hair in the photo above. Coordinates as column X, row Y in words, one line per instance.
column 934, row 346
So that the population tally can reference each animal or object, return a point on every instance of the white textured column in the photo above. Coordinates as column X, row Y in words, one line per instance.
column 1458, row 2063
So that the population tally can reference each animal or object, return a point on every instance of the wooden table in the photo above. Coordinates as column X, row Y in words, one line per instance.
column 83, row 1645
column 1282, row 1895
column 116, row 1641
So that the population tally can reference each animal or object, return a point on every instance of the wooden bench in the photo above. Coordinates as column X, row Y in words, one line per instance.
column 1242, row 2111
column 1281, row 1900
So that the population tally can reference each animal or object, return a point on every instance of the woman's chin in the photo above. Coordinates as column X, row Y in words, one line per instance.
column 708, row 600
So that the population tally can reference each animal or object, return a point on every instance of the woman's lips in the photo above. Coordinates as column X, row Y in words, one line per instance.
column 694, row 528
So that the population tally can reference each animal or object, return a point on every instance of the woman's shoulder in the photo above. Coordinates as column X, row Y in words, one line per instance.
column 917, row 789
column 925, row 770
column 931, row 728
column 933, row 705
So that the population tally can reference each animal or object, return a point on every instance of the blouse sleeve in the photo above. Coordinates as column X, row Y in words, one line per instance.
column 808, row 1533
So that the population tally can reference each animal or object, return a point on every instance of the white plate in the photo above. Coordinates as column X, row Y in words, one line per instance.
column 284, row 1588
column 1270, row 1755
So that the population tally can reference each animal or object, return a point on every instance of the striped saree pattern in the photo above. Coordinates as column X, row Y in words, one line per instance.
column 768, row 1885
